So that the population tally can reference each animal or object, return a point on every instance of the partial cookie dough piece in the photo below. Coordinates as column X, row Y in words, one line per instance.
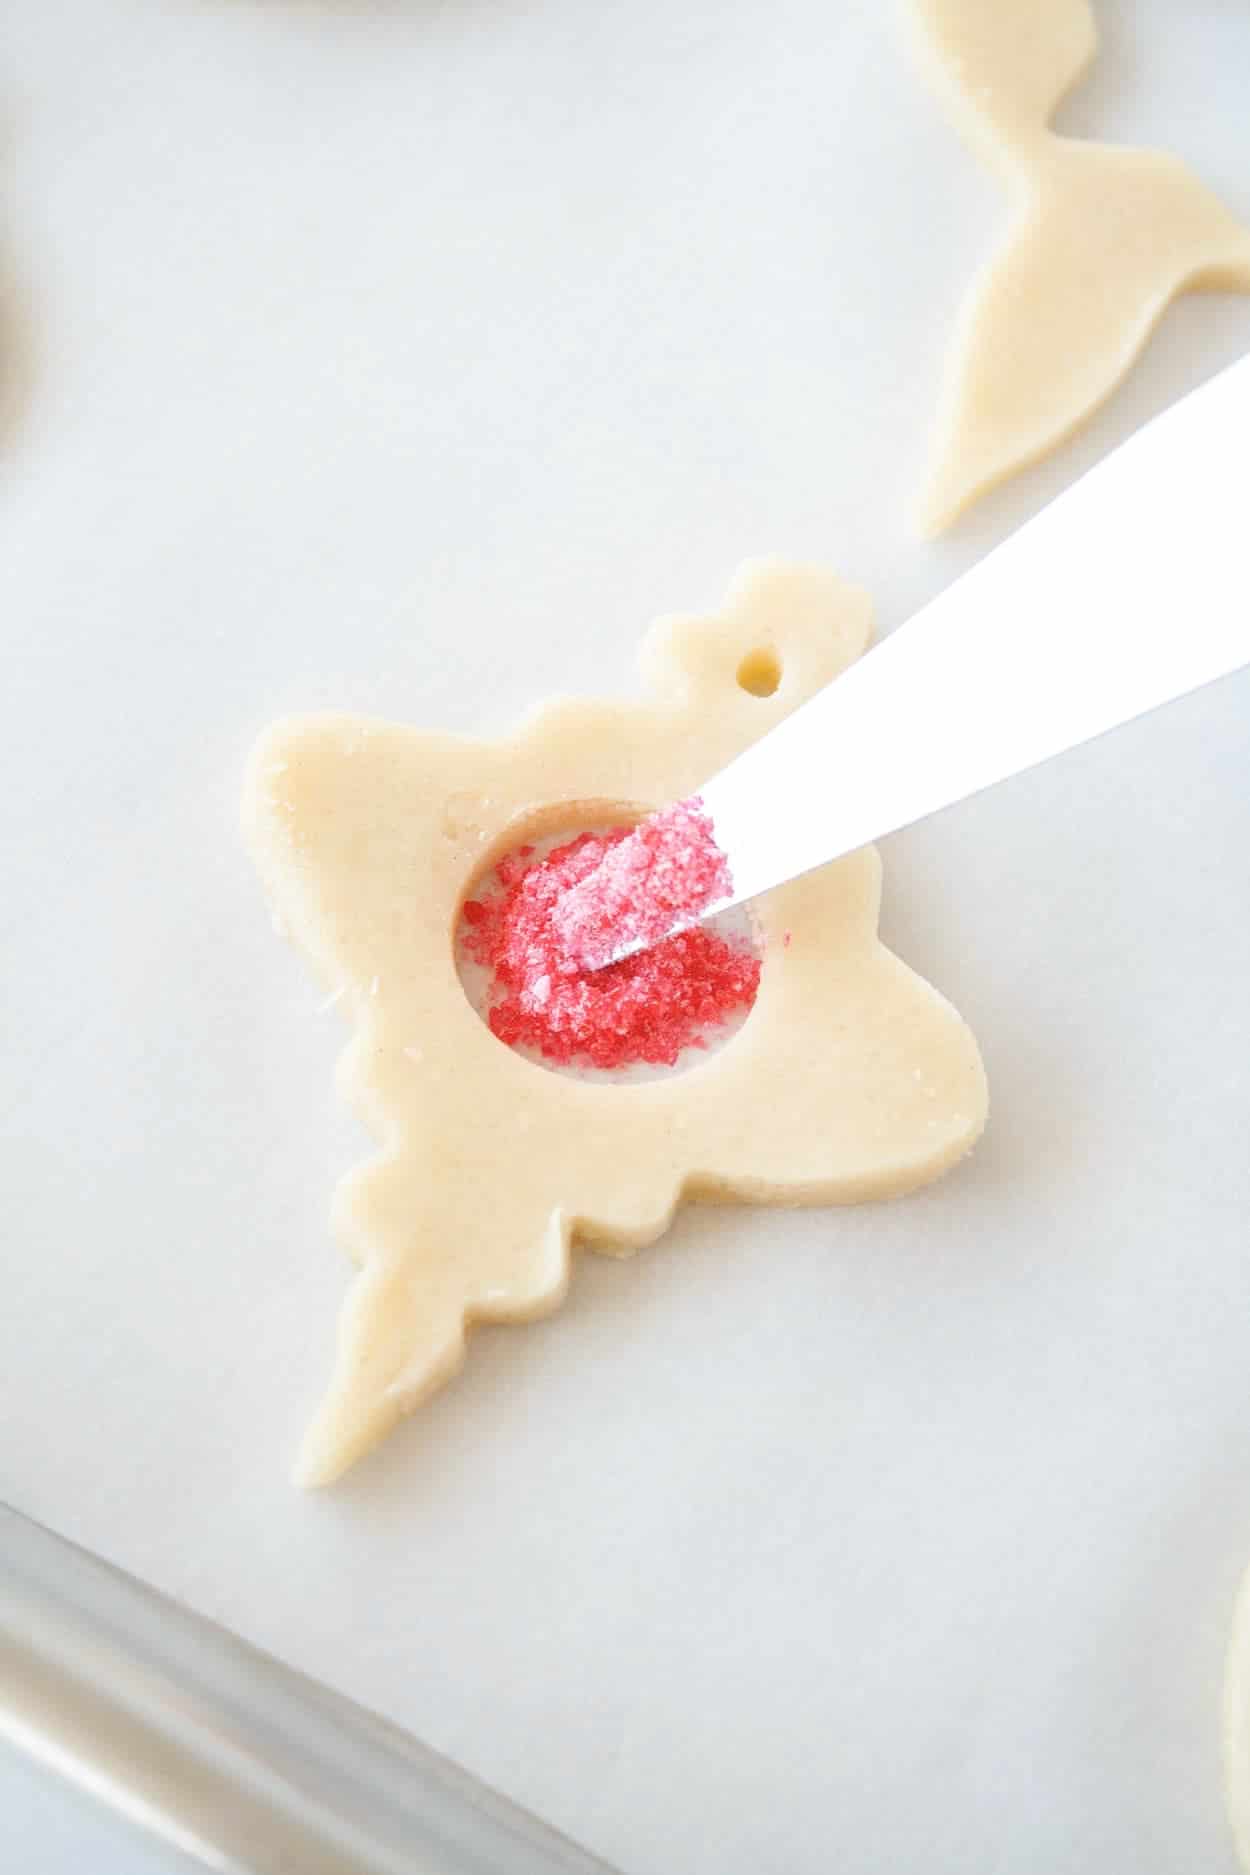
column 1103, row 239
column 850, row 1079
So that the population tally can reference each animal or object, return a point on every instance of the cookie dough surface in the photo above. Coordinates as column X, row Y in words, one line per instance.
column 1102, row 239
column 851, row 1078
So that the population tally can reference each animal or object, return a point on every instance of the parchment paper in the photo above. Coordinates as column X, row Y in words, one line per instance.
column 410, row 357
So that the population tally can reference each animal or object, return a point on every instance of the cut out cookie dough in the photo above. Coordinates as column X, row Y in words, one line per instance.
column 1103, row 239
column 851, row 1078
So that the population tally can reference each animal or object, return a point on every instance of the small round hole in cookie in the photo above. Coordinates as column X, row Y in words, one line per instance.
column 759, row 673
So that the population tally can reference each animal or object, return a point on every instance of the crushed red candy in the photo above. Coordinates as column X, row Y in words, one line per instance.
column 649, row 1007
column 664, row 874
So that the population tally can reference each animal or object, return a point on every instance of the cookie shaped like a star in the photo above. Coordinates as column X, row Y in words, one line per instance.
column 850, row 1079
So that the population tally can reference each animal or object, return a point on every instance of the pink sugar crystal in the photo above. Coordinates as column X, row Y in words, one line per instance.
column 650, row 1006
column 666, row 873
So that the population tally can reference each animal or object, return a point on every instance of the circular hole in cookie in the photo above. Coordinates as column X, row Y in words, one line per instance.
column 658, row 1013
column 759, row 673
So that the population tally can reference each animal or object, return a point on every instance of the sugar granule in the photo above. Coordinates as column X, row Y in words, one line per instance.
column 650, row 1006
column 663, row 875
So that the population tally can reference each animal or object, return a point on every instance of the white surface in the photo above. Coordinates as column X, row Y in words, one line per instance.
column 410, row 358
column 48, row 1830
column 1064, row 631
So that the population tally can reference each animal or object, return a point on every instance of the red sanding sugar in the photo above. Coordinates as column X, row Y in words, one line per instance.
column 665, row 873
column 646, row 1008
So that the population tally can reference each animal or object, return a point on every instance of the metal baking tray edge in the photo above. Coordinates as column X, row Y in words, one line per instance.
column 234, row 1761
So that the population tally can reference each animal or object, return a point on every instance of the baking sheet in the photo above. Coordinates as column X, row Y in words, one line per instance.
column 410, row 358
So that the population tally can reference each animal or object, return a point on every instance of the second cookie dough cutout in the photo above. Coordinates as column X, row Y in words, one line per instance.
column 1103, row 239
